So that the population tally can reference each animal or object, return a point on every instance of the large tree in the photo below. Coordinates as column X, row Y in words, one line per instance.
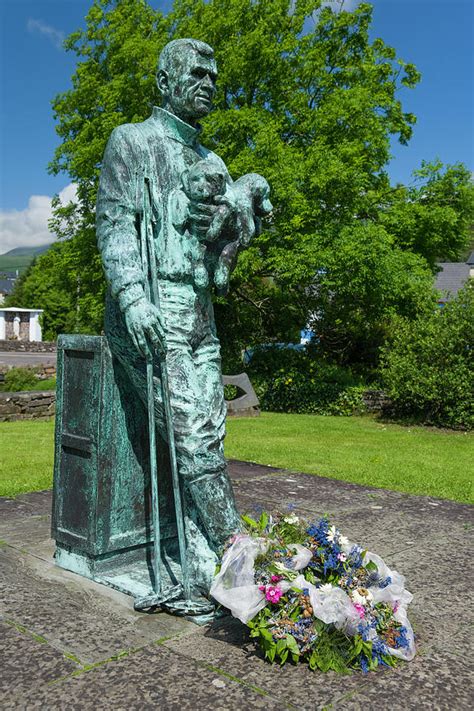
column 308, row 100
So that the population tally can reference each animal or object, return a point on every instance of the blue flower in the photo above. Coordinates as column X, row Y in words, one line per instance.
column 355, row 557
column 386, row 582
column 319, row 530
column 373, row 579
column 402, row 640
column 379, row 647
column 364, row 664
column 363, row 629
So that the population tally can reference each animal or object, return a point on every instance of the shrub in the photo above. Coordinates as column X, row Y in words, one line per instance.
column 428, row 367
column 291, row 381
column 19, row 379
column 230, row 392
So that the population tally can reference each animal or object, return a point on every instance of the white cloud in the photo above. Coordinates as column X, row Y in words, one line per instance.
column 335, row 5
column 347, row 5
column 29, row 227
column 56, row 37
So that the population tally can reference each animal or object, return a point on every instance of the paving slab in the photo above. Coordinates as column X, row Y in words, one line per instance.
column 153, row 678
column 69, row 643
column 227, row 646
column 436, row 682
column 44, row 663
column 75, row 616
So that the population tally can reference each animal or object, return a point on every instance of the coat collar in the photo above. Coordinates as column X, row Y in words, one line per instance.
column 176, row 128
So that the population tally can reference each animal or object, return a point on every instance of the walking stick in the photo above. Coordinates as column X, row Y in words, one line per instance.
column 159, row 596
column 166, row 598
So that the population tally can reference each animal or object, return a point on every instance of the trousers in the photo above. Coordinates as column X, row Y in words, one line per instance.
column 197, row 402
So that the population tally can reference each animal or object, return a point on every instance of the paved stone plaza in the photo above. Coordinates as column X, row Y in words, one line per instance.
column 67, row 643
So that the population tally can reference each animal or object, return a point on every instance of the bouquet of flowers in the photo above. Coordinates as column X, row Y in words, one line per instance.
column 308, row 594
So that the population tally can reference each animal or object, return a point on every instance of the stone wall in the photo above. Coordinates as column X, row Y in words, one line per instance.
column 44, row 372
column 28, row 346
column 376, row 400
column 27, row 405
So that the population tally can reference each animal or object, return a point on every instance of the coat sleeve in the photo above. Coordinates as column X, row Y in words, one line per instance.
column 117, row 216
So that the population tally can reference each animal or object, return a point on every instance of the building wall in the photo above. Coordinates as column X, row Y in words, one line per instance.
column 9, row 325
column 35, row 327
column 24, row 334
column 20, row 325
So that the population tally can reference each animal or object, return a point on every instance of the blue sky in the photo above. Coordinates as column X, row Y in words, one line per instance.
column 436, row 35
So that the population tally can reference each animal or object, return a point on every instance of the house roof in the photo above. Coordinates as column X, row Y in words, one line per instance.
column 17, row 309
column 470, row 259
column 452, row 277
column 6, row 286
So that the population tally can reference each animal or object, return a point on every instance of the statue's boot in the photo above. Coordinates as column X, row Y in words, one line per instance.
column 214, row 500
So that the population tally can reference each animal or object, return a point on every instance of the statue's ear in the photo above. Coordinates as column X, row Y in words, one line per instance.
column 222, row 182
column 162, row 82
column 185, row 181
column 266, row 206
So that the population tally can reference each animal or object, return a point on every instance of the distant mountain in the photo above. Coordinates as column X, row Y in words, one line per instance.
column 18, row 259
column 26, row 251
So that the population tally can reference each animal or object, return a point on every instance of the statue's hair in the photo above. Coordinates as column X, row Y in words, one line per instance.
column 177, row 46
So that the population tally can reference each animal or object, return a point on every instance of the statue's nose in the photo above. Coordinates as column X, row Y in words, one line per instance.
column 207, row 81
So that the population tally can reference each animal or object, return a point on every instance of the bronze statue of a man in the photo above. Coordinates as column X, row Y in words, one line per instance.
column 144, row 163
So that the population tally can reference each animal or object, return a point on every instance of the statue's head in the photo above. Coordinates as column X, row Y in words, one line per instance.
column 186, row 78
column 203, row 181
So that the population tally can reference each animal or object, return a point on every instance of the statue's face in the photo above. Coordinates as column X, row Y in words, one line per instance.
column 189, row 86
column 204, row 181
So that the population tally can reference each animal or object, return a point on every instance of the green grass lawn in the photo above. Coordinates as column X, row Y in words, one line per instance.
column 26, row 456
column 48, row 384
column 361, row 450
column 356, row 449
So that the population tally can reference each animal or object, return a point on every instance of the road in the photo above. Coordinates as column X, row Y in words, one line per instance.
column 23, row 359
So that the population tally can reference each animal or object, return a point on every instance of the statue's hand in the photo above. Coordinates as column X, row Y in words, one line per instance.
column 220, row 219
column 145, row 327
column 200, row 216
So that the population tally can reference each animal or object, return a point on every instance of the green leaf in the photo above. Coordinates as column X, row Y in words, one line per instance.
column 263, row 522
column 370, row 565
column 266, row 634
column 281, row 645
column 292, row 645
column 249, row 521
column 357, row 644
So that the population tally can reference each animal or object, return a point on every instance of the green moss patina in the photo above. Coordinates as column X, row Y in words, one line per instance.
column 170, row 224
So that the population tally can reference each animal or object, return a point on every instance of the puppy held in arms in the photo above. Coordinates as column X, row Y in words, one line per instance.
column 238, row 210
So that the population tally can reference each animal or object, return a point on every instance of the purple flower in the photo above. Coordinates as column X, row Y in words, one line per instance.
column 273, row 593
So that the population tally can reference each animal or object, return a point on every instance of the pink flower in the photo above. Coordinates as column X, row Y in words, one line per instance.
column 262, row 588
column 273, row 593
column 396, row 606
column 342, row 557
column 360, row 609
column 276, row 578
